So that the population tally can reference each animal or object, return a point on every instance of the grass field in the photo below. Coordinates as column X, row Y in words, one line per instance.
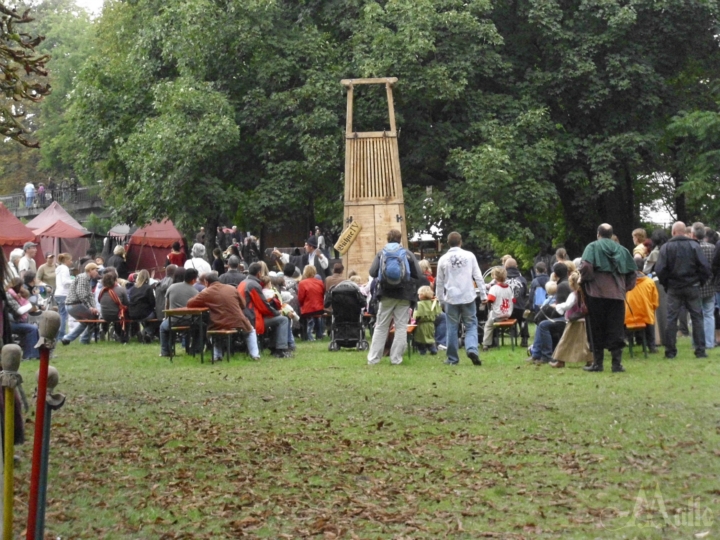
column 324, row 446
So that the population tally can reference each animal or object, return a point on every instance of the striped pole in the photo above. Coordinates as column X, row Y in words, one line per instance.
column 52, row 403
column 9, row 462
column 38, row 442
column 10, row 379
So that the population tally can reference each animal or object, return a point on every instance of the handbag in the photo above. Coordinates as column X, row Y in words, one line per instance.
column 579, row 310
column 546, row 312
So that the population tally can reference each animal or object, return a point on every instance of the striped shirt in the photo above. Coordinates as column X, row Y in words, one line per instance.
column 708, row 289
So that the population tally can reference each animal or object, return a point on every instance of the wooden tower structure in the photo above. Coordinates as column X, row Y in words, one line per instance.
column 373, row 187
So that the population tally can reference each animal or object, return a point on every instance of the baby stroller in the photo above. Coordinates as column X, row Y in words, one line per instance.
column 347, row 329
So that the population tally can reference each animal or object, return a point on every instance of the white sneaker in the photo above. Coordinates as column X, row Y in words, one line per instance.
column 442, row 348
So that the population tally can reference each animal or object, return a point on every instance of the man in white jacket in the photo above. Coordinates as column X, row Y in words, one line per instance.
column 454, row 287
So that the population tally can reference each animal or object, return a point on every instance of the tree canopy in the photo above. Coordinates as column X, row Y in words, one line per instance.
column 522, row 124
column 22, row 71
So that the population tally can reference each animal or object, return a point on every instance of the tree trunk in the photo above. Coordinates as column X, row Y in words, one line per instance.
column 680, row 202
column 618, row 209
column 211, row 226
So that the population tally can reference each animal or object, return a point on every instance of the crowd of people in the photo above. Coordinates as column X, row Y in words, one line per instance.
column 601, row 301
column 581, row 308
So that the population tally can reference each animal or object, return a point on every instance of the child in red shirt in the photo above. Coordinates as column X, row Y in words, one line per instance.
column 502, row 299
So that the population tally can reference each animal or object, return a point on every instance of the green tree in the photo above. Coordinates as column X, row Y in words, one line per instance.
column 610, row 75
column 23, row 73
column 67, row 30
column 531, row 121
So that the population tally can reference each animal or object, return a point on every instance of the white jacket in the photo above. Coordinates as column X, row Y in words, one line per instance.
column 456, row 271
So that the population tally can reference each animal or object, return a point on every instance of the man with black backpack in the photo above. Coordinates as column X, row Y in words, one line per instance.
column 518, row 284
column 397, row 273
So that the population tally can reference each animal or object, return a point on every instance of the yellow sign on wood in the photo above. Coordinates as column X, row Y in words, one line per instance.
column 347, row 237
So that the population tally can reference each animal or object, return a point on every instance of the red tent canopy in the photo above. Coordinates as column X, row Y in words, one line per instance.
column 61, row 229
column 148, row 247
column 12, row 232
column 52, row 214
column 157, row 234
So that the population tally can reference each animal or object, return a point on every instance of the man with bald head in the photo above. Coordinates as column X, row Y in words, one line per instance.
column 519, row 286
column 681, row 269
column 608, row 272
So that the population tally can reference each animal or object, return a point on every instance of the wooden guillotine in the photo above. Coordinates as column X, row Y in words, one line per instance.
column 374, row 201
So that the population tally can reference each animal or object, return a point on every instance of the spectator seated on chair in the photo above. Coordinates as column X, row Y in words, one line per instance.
column 19, row 307
column 226, row 307
column 550, row 324
column 114, row 303
column 641, row 303
column 81, row 304
column 264, row 314
column 501, row 297
column 161, row 290
column 273, row 289
column 233, row 276
column 335, row 278
column 176, row 297
column 142, row 304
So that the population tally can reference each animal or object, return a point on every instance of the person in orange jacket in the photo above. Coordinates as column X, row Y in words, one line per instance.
column 641, row 303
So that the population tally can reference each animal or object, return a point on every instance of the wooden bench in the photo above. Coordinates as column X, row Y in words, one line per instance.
column 93, row 326
column 633, row 329
column 505, row 327
column 215, row 334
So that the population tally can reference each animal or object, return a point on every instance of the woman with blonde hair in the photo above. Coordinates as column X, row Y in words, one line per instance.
column 573, row 346
column 427, row 272
column 142, row 305
column 311, row 294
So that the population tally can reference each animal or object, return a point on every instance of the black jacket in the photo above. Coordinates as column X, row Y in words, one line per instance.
column 519, row 286
column 301, row 261
column 681, row 264
column 142, row 302
column 119, row 264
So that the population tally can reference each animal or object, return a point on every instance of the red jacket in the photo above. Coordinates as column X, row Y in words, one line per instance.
column 251, row 291
column 311, row 294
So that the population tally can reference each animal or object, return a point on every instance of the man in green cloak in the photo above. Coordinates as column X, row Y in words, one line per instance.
column 608, row 272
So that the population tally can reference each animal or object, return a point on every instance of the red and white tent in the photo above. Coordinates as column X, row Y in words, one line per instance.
column 59, row 232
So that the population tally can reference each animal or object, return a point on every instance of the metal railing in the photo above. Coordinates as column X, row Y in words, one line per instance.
column 63, row 195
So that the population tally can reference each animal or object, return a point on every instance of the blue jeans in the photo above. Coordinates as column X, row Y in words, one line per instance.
column 441, row 330
column 280, row 323
column 29, row 201
column 542, row 347
column 79, row 311
column 29, row 336
column 708, row 309
column 316, row 325
column 291, row 338
column 62, row 310
column 454, row 314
